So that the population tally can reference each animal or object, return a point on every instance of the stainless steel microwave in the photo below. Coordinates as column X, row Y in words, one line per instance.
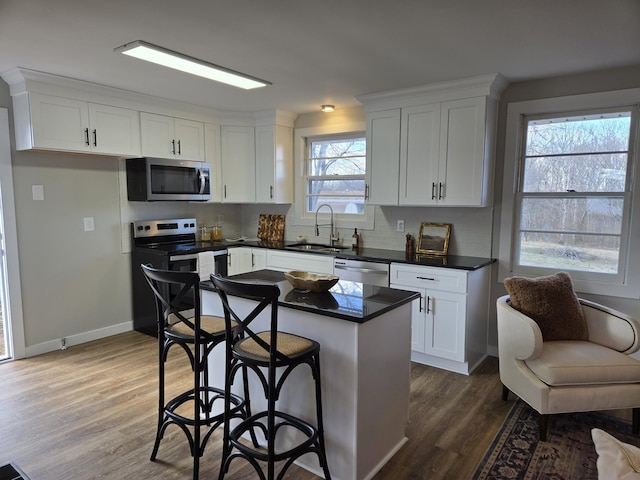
column 160, row 179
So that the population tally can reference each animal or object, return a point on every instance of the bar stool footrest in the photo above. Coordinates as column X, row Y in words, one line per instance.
column 245, row 426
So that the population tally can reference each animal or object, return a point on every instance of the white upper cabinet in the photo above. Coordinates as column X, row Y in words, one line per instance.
column 169, row 137
column 212, row 157
column 383, row 157
column 251, row 157
column 433, row 145
column 466, row 166
column 238, row 158
column 56, row 123
column 274, row 164
column 114, row 130
column 419, row 155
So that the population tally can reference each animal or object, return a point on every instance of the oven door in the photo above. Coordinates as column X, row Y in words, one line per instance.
column 182, row 263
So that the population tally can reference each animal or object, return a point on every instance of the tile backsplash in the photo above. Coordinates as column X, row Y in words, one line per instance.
column 470, row 227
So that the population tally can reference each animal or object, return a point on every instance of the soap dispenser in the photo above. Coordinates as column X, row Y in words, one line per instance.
column 355, row 240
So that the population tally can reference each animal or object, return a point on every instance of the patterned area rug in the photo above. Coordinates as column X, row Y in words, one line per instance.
column 568, row 453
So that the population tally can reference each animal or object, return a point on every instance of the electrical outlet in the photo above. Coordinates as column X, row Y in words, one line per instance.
column 89, row 226
column 400, row 227
column 37, row 192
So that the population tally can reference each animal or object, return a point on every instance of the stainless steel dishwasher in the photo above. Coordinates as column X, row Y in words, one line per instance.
column 372, row 273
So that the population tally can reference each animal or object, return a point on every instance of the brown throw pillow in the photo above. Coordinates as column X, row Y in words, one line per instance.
column 551, row 302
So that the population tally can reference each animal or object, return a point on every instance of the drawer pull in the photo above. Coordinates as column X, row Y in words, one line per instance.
column 426, row 278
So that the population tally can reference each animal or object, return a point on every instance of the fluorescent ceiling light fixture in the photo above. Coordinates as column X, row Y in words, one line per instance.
column 184, row 63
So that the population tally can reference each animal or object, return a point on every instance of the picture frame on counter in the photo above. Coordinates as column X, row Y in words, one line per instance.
column 431, row 259
column 434, row 238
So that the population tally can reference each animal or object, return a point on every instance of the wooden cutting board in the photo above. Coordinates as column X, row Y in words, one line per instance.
column 271, row 228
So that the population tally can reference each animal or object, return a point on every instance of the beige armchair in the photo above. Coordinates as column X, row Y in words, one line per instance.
column 565, row 376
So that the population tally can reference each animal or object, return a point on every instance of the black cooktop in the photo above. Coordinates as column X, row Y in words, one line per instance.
column 184, row 248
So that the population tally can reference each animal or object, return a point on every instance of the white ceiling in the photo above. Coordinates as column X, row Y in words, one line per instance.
column 317, row 51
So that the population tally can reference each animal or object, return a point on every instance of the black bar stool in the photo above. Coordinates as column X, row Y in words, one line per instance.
column 263, row 353
column 180, row 323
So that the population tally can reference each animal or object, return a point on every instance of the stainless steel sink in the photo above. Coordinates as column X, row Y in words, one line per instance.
column 314, row 247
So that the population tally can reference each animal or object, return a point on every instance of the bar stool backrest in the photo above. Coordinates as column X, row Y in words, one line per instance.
column 172, row 308
column 266, row 295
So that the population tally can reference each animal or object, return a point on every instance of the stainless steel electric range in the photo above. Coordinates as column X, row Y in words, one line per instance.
column 168, row 245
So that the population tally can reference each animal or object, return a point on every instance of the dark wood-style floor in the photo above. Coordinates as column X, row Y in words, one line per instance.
column 89, row 412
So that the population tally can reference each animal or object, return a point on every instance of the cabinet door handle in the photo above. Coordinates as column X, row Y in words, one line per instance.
column 253, row 261
column 173, row 147
column 428, row 304
column 426, row 278
column 225, row 191
column 440, row 189
column 433, row 190
column 179, row 148
column 366, row 192
column 270, row 191
column 95, row 138
column 420, row 304
column 86, row 136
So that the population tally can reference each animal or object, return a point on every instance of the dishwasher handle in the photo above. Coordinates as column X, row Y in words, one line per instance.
column 360, row 270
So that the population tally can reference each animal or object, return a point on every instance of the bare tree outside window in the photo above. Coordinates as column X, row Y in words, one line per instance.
column 336, row 169
column 574, row 191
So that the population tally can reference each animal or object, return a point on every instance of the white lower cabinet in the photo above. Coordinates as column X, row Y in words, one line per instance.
column 284, row 261
column 449, row 323
column 245, row 259
column 258, row 259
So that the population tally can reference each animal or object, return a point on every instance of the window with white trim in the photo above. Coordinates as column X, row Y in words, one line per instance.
column 334, row 173
column 573, row 198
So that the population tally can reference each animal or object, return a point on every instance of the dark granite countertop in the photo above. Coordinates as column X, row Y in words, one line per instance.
column 370, row 254
column 352, row 301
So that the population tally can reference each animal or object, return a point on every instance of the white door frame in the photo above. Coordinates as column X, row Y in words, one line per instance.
column 11, row 274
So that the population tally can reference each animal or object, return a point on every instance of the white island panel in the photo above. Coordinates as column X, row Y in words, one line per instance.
column 365, row 373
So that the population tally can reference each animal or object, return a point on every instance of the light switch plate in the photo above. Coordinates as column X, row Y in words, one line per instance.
column 400, row 227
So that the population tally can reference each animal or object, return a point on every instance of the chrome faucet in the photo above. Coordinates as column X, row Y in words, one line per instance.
column 333, row 238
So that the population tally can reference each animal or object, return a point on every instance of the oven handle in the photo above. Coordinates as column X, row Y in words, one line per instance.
column 194, row 256
column 178, row 258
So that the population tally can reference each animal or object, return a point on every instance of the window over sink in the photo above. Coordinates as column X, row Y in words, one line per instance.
column 335, row 173
column 326, row 178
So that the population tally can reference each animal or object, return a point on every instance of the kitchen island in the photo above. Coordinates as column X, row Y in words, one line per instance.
column 365, row 337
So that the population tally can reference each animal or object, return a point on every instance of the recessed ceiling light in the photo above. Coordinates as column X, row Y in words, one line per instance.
column 328, row 108
column 184, row 63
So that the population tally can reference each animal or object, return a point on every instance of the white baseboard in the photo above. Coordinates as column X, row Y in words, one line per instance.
column 77, row 339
